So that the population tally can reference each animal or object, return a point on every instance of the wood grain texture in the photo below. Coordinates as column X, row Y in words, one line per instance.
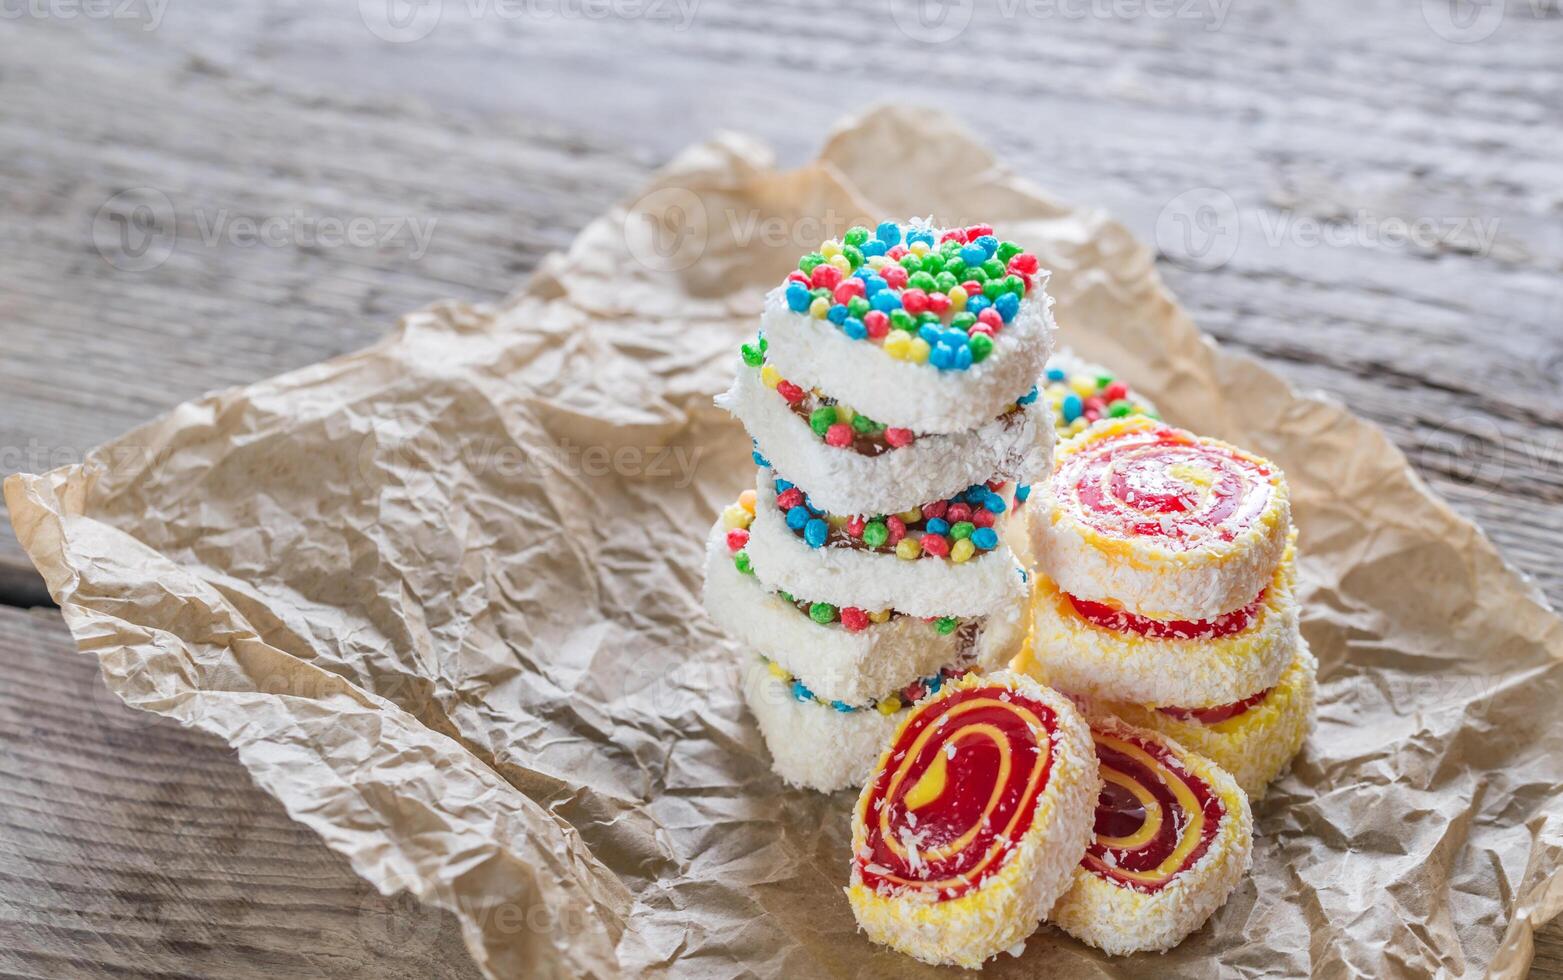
column 1326, row 118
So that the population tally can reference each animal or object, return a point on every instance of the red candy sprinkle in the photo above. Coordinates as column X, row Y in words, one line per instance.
column 825, row 275
column 1024, row 264
column 936, row 509
column 899, row 437
column 789, row 391
column 736, row 539
column 938, row 302
column 894, row 276
column 981, row 328
column 972, row 287
column 789, row 498
column 913, row 691
column 839, row 434
column 1095, row 404
column 797, row 275
column 983, row 517
column 897, row 252
column 848, row 288
column 977, row 231
column 1091, row 415
column 854, row 619
column 915, row 301
column 953, row 235
column 897, row 529
column 936, row 545
column 1115, row 391
column 991, row 317
column 877, row 322
column 855, row 525
column 995, row 485
column 958, row 512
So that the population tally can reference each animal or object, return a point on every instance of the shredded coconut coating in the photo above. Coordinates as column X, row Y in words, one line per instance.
column 1144, row 575
column 1255, row 746
column 988, row 583
column 830, row 660
column 1017, row 449
column 1120, row 920
column 1005, row 908
column 1078, row 656
column 816, row 354
column 813, row 746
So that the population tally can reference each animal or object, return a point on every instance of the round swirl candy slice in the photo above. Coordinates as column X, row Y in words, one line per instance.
column 933, row 330
column 1099, row 650
column 853, row 464
column 1160, row 522
column 1254, row 738
column 1173, row 838
column 974, row 820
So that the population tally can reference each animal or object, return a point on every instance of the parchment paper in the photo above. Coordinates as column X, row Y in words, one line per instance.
column 442, row 597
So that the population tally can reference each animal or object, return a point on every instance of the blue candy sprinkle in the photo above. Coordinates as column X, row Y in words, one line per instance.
column 954, row 337
column 810, row 505
column 985, row 538
column 988, row 244
column 973, row 254
column 1007, row 306
column 814, row 532
column 937, row 525
column 760, row 460
column 931, row 334
column 800, row 692
column 1022, row 493
column 933, row 683
column 853, row 327
column 888, row 232
column 1056, row 374
column 797, row 517
column 1028, row 397
column 941, row 357
column 995, row 503
column 1073, row 407
column 873, row 247
column 977, row 304
column 798, row 298
column 885, row 301
column 962, row 361
column 872, row 284
column 837, row 314
column 842, row 706
column 920, row 235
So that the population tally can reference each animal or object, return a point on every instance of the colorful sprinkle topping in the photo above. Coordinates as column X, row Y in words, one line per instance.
column 887, row 705
column 925, row 299
column 1080, row 398
column 956, row 528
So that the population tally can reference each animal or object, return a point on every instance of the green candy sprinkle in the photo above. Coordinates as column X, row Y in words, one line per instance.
column 863, row 424
column 902, row 320
column 994, row 268
column 857, row 306
column 981, row 346
column 963, row 320
column 949, row 248
column 808, row 262
column 955, row 265
column 962, row 529
column 1103, row 380
column 1015, row 284
column 945, row 281
column 741, row 562
column 787, row 596
column 928, row 316
column 933, row 263
column 994, row 288
column 875, row 534
column 822, row 418
column 1007, row 251
column 910, row 262
column 946, row 625
column 853, row 254
column 822, row 612
column 820, row 292
column 856, row 235
column 752, row 355
column 921, row 280
column 1119, row 408
column 975, row 273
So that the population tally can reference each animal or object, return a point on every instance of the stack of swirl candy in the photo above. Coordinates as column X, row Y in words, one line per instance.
column 1165, row 599
column 891, row 396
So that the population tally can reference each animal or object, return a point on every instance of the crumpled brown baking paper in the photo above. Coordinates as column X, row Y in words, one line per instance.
column 442, row 597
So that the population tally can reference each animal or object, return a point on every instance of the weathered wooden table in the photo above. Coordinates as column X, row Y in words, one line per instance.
column 327, row 166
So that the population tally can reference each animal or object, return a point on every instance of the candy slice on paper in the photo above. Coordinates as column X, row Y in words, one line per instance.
column 1173, row 837
column 1164, row 523
column 974, row 820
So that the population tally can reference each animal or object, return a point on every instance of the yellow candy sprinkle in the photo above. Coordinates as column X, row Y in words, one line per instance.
column 1083, row 386
column 819, row 308
column 843, row 263
column 962, row 550
column 746, row 500
column 889, row 706
column 736, row 517
column 830, row 249
column 878, row 261
column 911, row 516
column 844, row 414
column 917, row 350
column 770, row 375
column 778, row 671
column 918, row 247
column 957, row 299
column 1078, row 426
column 908, row 548
column 836, row 520
column 879, row 616
column 898, row 344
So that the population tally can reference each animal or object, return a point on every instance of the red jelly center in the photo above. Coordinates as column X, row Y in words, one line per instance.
column 1219, row 713
column 1112, row 618
column 1154, row 819
column 959, row 791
